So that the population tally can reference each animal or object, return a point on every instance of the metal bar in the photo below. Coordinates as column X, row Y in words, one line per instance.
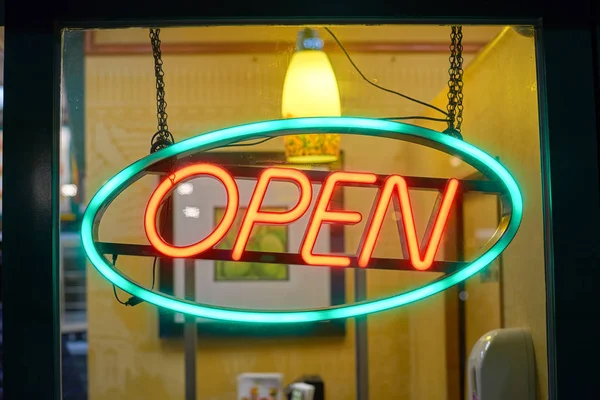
column 190, row 334
column 31, row 314
column 123, row 249
column 361, row 347
column 317, row 176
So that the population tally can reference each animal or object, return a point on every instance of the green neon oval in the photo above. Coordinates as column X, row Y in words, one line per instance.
column 347, row 125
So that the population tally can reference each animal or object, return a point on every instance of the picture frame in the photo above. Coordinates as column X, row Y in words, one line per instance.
column 171, row 324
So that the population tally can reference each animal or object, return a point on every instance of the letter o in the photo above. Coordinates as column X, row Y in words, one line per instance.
column 167, row 186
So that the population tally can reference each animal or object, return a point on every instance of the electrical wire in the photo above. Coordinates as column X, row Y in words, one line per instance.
column 154, row 272
column 416, row 117
column 117, row 296
column 376, row 85
column 114, row 262
column 250, row 144
column 385, row 118
column 133, row 300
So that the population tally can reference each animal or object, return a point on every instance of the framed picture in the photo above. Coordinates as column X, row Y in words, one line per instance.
column 272, row 238
column 196, row 209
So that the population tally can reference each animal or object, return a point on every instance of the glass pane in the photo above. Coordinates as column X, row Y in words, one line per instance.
column 73, row 270
column 427, row 238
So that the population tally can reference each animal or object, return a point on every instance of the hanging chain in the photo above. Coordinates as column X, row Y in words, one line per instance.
column 455, row 83
column 163, row 137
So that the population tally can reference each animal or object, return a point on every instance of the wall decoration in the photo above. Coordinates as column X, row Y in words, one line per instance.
column 265, row 238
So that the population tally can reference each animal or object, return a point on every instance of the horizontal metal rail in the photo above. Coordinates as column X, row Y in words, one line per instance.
column 124, row 249
column 317, row 176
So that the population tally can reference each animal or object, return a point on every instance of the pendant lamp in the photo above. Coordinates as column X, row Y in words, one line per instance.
column 310, row 90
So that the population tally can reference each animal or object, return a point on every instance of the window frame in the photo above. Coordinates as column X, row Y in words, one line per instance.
column 565, row 41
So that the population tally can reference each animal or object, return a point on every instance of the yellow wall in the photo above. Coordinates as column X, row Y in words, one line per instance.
column 407, row 345
column 501, row 117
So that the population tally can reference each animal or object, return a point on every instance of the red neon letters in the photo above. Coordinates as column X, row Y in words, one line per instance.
column 233, row 201
column 397, row 184
column 254, row 215
column 321, row 214
column 394, row 188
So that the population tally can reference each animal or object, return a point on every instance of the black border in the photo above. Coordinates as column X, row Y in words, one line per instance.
column 167, row 328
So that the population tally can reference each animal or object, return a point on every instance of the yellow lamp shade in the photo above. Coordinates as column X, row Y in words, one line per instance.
column 310, row 90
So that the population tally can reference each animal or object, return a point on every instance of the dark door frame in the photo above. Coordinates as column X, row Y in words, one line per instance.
column 567, row 51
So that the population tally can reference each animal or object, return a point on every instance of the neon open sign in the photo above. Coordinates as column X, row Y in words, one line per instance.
column 392, row 189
